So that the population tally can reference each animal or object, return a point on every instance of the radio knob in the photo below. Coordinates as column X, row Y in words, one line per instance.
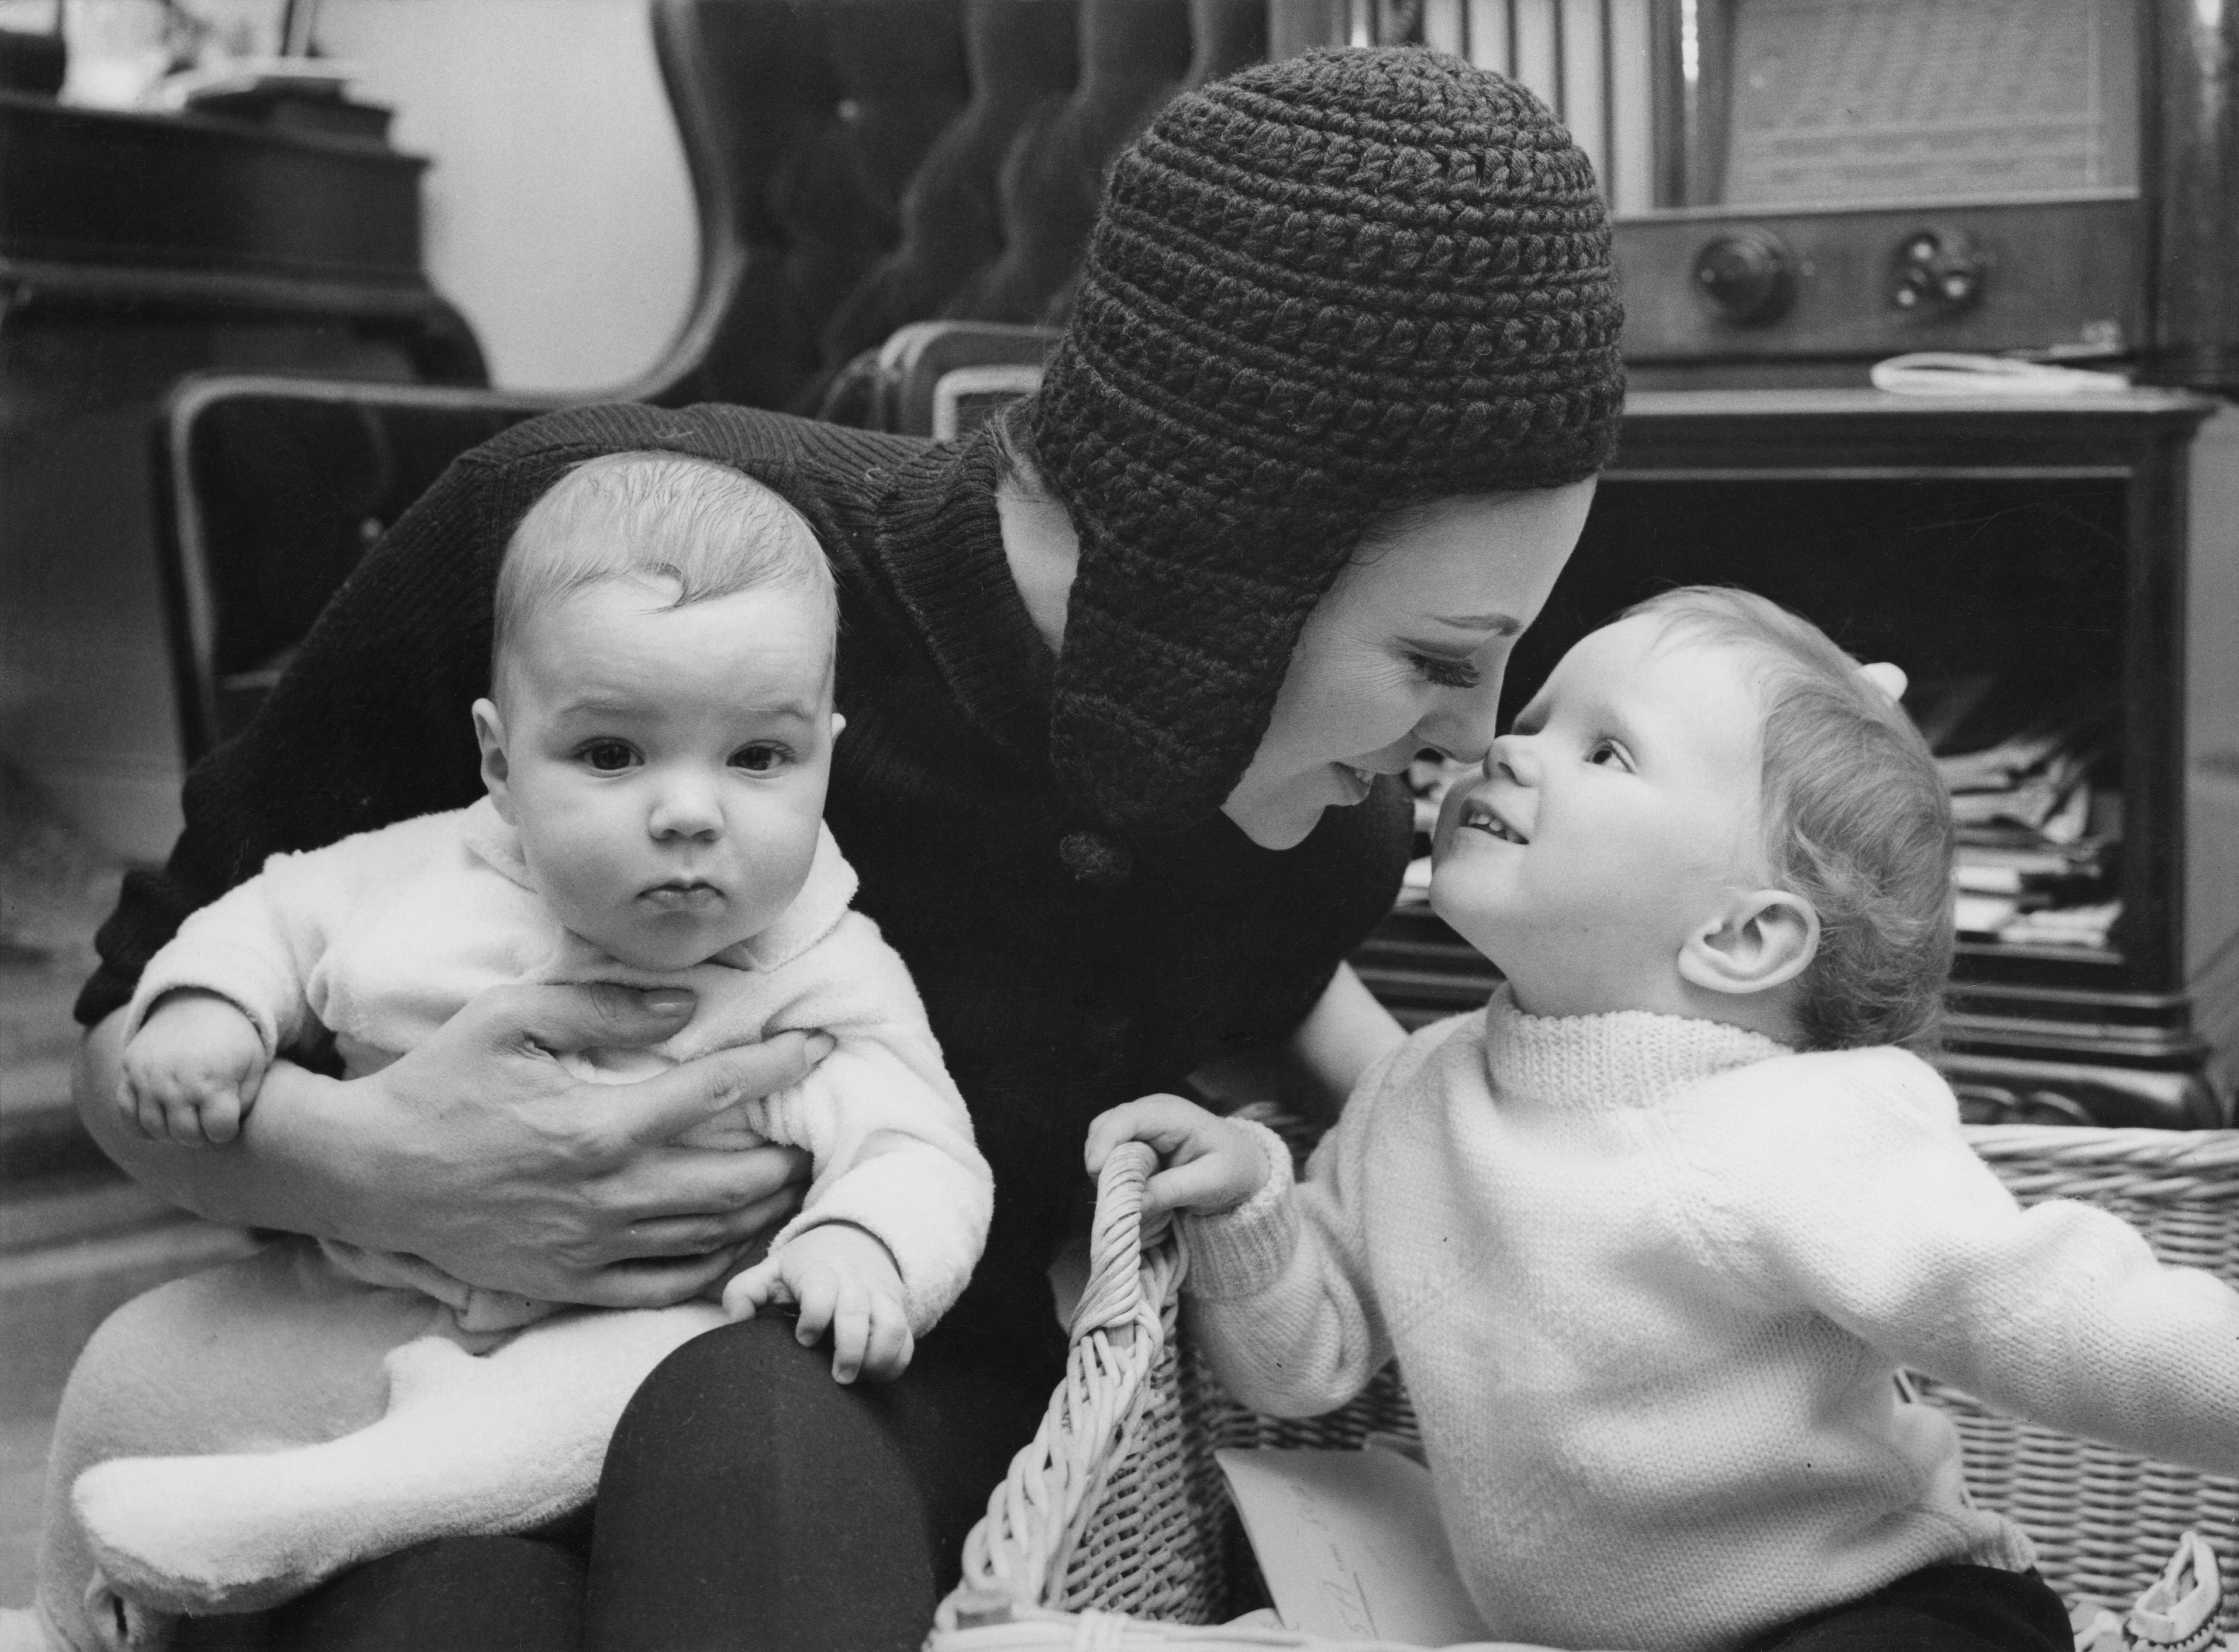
column 1935, row 272
column 1746, row 275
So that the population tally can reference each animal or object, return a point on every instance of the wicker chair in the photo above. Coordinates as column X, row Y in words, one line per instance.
column 1112, row 1531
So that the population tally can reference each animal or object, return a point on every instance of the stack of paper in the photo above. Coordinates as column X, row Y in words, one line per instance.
column 2038, row 844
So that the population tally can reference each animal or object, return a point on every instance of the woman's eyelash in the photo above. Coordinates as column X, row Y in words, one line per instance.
column 1448, row 673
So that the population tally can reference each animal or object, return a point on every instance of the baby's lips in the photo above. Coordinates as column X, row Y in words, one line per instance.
column 1450, row 812
column 697, row 898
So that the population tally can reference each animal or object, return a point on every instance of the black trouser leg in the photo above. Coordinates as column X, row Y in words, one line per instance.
column 751, row 1502
column 1937, row 1609
column 452, row 1594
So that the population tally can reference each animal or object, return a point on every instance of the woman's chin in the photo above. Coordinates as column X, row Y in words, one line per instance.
column 1274, row 825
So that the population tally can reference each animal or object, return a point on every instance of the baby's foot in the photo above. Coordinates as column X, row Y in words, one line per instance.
column 470, row 1444
column 196, row 1534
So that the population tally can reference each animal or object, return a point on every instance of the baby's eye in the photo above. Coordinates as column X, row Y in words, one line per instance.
column 758, row 759
column 608, row 756
column 1448, row 673
column 1606, row 751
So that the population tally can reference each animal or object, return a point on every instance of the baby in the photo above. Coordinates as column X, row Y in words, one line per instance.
column 1651, row 1234
column 655, row 750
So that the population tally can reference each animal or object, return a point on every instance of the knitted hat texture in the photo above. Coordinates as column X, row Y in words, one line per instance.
column 1318, row 290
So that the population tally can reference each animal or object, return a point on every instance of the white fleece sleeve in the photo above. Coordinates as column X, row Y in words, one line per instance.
column 1852, row 1188
column 1278, row 1293
column 257, row 945
column 886, row 1132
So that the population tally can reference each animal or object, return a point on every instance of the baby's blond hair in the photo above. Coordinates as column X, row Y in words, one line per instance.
column 711, row 530
column 1857, row 820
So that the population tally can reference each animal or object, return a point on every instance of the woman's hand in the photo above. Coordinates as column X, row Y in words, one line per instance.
column 479, row 1151
column 1210, row 1163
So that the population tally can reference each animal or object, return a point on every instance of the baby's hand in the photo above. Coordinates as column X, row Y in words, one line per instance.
column 192, row 1070
column 839, row 1277
column 1210, row 1163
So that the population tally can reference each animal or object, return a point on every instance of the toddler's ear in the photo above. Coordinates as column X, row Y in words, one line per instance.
column 490, row 734
column 1759, row 941
column 1889, row 679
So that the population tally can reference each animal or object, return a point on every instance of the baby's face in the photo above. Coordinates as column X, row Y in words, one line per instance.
column 1611, row 821
column 666, row 766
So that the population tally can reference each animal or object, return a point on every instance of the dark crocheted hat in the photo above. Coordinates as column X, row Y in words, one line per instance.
column 1319, row 290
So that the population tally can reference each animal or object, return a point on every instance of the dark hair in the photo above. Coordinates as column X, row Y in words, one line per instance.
column 1857, row 820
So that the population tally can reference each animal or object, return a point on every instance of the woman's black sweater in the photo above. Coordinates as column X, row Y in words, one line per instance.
column 1064, row 971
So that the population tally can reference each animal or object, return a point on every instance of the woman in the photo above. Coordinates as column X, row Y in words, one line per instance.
column 1125, row 681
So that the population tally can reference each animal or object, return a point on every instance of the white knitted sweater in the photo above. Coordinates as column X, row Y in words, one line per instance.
column 382, row 938
column 1648, row 1278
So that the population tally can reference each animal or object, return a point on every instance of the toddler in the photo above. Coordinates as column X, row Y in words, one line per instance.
column 655, row 750
column 1651, row 1234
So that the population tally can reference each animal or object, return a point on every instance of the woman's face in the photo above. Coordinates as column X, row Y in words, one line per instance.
column 1406, row 651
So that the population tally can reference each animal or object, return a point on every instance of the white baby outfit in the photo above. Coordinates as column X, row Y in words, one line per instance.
column 381, row 938
column 481, row 1411
column 1649, row 1279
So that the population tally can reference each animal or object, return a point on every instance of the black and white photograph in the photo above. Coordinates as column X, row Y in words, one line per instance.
column 1119, row 825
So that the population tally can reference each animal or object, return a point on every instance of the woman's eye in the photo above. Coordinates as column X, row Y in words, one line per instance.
column 758, row 759
column 1448, row 673
column 608, row 756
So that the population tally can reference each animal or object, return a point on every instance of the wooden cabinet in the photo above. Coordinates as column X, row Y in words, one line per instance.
column 2070, row 562
column 134, row 250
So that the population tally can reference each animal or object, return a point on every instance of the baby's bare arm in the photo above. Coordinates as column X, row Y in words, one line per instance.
column 192, row 1070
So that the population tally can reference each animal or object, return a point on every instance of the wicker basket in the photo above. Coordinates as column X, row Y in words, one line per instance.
column 1116, row 1508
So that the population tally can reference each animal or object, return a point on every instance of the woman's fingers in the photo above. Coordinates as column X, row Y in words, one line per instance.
column 589, row 1016
column 686, row 1199
column 652, row 1284
column 692, row 1181
column 664, row 1106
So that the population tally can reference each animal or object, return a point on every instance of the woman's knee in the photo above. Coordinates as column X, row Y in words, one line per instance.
column 746, row 1488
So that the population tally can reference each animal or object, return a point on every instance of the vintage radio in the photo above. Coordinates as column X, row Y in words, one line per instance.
column 1801, row 187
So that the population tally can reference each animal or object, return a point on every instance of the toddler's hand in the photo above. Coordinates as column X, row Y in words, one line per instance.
column 1210, row 1163
column 840, row 1277
column 192, row 1071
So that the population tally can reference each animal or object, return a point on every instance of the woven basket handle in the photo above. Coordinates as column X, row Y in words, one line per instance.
column 1017, row 1554
column 1113, row 1296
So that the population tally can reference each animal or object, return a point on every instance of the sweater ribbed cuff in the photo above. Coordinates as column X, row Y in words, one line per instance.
column 1241, row 1252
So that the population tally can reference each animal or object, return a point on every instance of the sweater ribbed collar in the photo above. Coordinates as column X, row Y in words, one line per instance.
column 1626, row 1058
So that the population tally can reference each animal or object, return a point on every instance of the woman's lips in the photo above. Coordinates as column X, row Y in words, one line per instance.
column 1356, row 782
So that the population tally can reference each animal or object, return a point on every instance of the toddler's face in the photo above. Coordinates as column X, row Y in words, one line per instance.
column 1613, row 819
column 666, row 766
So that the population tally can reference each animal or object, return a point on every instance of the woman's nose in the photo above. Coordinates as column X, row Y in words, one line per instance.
column 1462, row 725
column 687, row 806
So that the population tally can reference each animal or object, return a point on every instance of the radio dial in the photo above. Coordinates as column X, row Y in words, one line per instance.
column 1935, row 272
column 1746, row 275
